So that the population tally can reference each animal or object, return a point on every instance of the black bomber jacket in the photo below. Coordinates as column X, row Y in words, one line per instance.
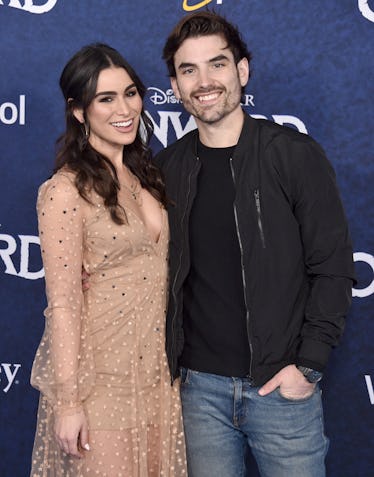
column 297, row 264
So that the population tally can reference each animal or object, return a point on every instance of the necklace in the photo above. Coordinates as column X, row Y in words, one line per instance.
column 135, row 189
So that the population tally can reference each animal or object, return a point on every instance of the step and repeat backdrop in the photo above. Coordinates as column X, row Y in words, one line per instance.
column 313, row 70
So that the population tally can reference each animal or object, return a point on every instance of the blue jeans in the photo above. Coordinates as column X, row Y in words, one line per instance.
column 223, row 415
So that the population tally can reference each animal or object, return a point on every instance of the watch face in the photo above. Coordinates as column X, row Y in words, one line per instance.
column 311, row 375
column 314, row 376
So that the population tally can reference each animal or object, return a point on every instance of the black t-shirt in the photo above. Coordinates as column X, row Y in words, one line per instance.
column 214, row 325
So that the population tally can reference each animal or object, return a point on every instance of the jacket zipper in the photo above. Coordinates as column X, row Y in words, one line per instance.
column 243, row 275
column 259, row 219
column 175, row 279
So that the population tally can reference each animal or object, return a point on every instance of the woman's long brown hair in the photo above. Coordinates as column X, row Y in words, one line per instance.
column 92, row 169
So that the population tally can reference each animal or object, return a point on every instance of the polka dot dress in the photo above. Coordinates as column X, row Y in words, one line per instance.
column 103, row 350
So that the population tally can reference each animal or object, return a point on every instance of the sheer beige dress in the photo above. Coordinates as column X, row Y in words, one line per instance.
column 103, row 350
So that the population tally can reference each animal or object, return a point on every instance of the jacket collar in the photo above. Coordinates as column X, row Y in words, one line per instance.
column 247, row 156
column 249, row 137
column 247, row 151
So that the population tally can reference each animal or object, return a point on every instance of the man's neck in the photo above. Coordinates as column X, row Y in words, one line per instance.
column 224, row 133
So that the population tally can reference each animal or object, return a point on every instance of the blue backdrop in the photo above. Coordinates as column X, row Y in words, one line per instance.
column 312, row 69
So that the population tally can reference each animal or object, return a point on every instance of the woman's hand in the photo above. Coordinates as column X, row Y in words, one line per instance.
column 71, row 433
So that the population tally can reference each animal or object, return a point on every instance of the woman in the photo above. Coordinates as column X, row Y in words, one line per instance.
column 107, row 407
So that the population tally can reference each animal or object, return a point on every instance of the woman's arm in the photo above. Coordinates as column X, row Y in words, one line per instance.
column 55, row 372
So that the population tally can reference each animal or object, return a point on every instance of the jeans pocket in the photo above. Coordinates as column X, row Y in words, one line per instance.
column 296, row 399
column 187, row 375
column 184, row 372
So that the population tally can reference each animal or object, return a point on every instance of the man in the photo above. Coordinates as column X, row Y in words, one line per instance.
column 260, row 268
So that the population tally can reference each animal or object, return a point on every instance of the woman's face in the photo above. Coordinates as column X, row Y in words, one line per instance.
column 113, row 115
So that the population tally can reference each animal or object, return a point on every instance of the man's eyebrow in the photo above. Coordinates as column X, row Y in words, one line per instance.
column 212, row 60
column 186, row 65
column 218, row 58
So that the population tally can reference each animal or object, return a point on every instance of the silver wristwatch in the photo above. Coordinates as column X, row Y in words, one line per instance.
column 311, row 375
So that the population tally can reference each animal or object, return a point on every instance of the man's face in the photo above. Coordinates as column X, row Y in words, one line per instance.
column 207, row 79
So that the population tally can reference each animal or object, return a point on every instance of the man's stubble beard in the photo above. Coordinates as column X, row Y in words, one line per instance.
column 231, row 102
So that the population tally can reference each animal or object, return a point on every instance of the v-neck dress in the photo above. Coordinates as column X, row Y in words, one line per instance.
column 103, row 350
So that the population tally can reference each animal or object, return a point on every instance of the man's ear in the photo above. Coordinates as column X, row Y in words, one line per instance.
column 174, row 85
column 243, row 71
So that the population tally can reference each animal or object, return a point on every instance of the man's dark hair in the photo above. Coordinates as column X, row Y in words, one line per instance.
column 204, row 23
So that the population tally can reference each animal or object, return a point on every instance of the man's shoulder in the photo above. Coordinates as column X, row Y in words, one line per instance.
column 183, row 144
column 288, row 151
column 273, row 132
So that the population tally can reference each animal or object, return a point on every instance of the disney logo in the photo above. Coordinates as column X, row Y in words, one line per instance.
column 158, row 96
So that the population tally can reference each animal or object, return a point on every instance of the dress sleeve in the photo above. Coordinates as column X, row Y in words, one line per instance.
column 60, row 219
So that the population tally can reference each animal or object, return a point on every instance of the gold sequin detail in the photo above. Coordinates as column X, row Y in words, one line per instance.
column 103, row 350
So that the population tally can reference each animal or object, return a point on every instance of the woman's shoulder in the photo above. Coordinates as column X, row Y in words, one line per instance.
column 60, row 185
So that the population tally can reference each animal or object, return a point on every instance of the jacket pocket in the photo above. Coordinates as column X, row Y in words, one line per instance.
column 259, row 217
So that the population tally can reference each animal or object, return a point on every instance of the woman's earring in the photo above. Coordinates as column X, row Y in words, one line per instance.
column 86, row 130
column 86, row 134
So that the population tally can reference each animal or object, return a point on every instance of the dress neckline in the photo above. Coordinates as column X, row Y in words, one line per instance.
column 150, row 236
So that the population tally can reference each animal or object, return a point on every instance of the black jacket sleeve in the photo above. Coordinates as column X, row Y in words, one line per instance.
column 327, row 251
